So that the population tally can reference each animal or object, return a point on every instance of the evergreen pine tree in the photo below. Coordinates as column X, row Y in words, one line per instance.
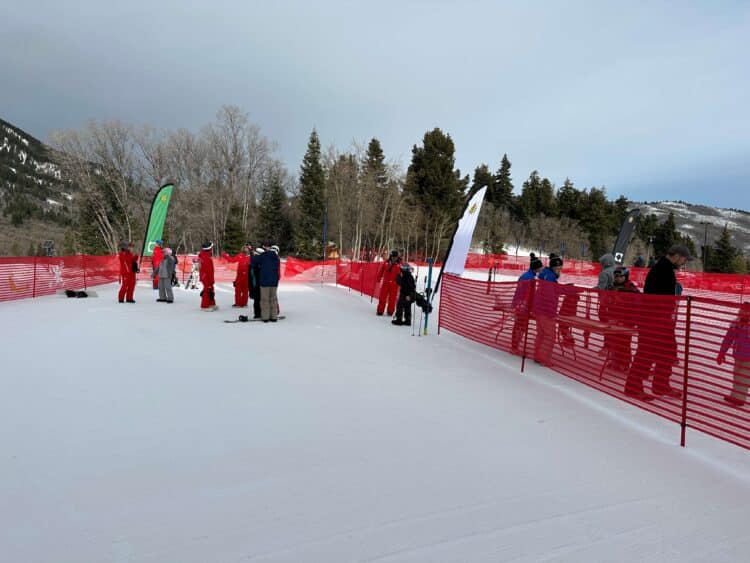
column 568, row 201
column 234, row 236
column 273, row 223
column 374, row 165
column 483, row 178
column 723, row 254
column 431, row 181
column 595, row 221
column 501, row 193
column 308, row 239
column 665, row 236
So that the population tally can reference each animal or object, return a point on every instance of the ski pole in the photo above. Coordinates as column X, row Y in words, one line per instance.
column 413, row 318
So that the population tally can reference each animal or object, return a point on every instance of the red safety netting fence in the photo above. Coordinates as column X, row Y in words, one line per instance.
column 663, row 354
column 24, row 277
column 365, row 277
column 32, row 276
column 731, row 287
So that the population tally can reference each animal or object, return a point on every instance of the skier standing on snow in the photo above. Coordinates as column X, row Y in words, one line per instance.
column 208, row 301
column 389, row 290
column 164, row 274
column 255, row 279
column 128, row 269
column 241, row 279
column 270, row 267
column 407, row 294
column 156, row 257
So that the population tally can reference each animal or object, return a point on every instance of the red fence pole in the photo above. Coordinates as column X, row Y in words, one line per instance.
column 529, row 302
column 683, row 423
column 33, row 290
column 83, row 266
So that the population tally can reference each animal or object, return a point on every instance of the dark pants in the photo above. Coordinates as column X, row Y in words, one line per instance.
column 657, row 347
column 403, row 310
column 256, row 302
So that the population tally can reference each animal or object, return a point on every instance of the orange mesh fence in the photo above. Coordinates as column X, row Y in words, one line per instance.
column 22, row 277
column 686, row 359
column 359, row 276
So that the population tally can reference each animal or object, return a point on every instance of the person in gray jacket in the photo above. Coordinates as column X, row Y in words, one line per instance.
column 607, row 275
column 165, row 272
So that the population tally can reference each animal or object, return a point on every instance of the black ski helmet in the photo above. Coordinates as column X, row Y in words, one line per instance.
column 394, row 253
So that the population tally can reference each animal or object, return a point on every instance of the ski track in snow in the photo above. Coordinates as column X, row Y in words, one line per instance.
column 154, row 432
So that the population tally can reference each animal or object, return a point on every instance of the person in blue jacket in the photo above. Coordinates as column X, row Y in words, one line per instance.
column 520, row 301
column 545, row 310
column 270, row 270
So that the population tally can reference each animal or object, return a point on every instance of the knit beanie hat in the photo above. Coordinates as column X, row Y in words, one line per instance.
column 535, row 263
column 208, row 245
column 555, row 260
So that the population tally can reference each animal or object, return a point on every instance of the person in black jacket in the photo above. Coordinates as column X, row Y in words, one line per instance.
column 407, row 294
column 255, row 280
column 657, row 342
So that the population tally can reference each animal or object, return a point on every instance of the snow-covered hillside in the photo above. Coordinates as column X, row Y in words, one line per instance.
column 692, row 219
column 154, row 432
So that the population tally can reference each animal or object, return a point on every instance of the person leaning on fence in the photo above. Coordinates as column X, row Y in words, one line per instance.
column 128, row 270
column 270, row 270
column 520, row 302
column 657, row 342
column 406, row 295
column 164, row 274
column 622, row 305
column 738, row 339
column 545, row 310
column 389, row 289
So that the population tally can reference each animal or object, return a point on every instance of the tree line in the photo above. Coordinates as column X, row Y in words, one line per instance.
column 230, row 187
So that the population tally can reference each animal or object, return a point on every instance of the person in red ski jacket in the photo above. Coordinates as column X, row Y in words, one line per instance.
column 156, row 257
column 389, row 288
column 241, row 279
column 128, row 269
column 208, row 302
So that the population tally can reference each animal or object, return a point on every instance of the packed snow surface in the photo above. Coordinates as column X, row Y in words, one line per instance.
column 150, row 432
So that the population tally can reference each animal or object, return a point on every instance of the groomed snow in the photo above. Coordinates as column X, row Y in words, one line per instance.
column 158, row 433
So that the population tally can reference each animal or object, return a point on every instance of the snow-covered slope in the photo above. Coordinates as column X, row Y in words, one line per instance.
column 154, row 432
column 690, row 220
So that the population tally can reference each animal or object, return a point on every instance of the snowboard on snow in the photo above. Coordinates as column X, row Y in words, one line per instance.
column 251, row 320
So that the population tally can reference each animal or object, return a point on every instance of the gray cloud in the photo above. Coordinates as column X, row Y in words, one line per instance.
column 647, row 99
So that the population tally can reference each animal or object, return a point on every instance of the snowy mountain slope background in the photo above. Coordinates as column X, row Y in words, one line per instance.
column 690, row 219
column 154, row 432
column 36, row 203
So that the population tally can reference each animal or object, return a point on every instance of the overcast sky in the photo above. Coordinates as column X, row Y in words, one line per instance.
column 649, row 99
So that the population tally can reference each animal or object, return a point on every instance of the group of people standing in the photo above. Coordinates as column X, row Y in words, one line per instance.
column 398, row 289
column 656, row 352
column 258, row 274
